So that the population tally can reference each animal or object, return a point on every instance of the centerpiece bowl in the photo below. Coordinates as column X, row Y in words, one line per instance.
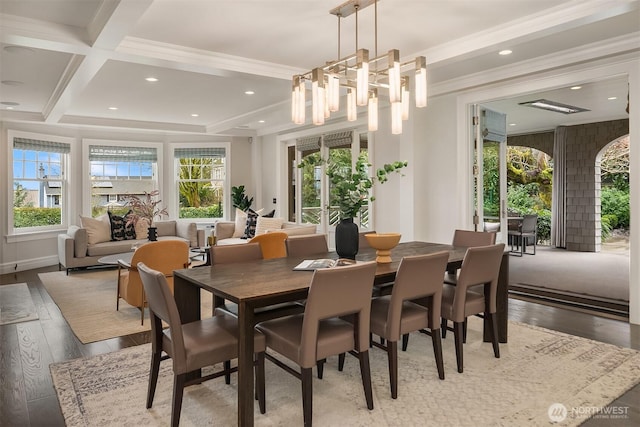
column 383, row 243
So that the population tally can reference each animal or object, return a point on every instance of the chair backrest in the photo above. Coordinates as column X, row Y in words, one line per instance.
column 469, row 239
column 529, row 223
column 307, row 245
column 272, row 244
column 337, row 292
column 162, row 307
column 418, row 276
column 480, row 266
column 362, row 241
column 228, row 254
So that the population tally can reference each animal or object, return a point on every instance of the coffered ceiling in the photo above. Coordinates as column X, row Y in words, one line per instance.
column 67, row 62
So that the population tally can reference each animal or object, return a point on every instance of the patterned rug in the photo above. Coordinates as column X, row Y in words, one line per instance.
column 542, row 376
column 16, row 304
column 87, row 300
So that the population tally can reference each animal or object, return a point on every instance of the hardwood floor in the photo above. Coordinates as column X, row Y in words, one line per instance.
column 27, row 396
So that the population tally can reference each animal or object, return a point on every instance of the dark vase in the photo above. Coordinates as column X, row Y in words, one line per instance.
column 347, row 238
column 153, row 234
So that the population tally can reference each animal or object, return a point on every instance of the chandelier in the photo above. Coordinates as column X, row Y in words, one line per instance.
column 362, row 77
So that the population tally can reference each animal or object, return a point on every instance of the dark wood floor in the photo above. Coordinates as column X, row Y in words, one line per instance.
column 27, row 397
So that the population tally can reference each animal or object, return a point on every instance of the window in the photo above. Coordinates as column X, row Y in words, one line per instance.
column 117, row 172
column 39, row 184
column 201, row 178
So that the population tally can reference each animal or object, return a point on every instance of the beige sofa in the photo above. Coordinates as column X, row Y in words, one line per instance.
column 225, row 230
column 75, row 251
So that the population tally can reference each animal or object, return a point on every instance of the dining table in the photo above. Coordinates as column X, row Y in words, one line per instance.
column 267, row 282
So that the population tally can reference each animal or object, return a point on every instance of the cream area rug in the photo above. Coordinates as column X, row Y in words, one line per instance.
column 16, row 304
column 542, row 375
column 87, row 300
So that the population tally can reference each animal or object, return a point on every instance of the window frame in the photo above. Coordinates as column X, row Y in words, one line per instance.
column 65, row 209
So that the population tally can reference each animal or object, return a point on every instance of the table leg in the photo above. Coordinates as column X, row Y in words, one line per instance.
column 245, row 364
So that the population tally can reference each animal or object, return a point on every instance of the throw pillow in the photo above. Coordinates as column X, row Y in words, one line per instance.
column 250, row 229
column 241, row 223
column 120, row 230
column 270, row 214
column 98, row 229
column 265, row 224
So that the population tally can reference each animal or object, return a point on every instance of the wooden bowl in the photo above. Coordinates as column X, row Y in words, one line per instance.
column 383, row 243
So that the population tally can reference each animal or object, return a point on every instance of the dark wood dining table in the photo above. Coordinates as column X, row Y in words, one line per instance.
column 267, row 282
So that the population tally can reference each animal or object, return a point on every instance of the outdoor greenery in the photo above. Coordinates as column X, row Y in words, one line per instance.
column 35, row 217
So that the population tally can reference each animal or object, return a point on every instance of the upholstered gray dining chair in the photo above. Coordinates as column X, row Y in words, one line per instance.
column 481, row 266
column 526, row 231
column 191, row 346
column 395, row 315
column 307, row 245
column 320, row 332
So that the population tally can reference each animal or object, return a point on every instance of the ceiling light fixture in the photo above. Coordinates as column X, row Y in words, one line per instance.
column 113, row 108
column 363, row 78
column 505, row 52
column 249, row 92
column 612, row 98
column 195, row 115
column 151, row 79
column 260, row 121
column 556, row 107
column 576, row 87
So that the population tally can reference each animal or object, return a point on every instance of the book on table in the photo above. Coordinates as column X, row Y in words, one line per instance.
column 314, row 264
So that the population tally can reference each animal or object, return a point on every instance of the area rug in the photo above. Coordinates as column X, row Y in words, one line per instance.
column 16, row 304
column 541, row 374
column 87, row 300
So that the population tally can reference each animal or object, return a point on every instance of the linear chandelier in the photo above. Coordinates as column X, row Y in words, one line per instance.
column 363, row 79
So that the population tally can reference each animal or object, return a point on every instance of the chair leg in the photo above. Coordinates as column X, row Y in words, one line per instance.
column 307, row 395
column 437, row 352
column 457, row 335
column 142, row 315
column 494, row 334
column 320, row 366
column 405, row 342
column 260, row 387
column 178, row 391
column 443, row 327
column 156, row 357
column 464, row 331
column 341, row 361
column 365, row 372
column 392, row 354
column 227, row 374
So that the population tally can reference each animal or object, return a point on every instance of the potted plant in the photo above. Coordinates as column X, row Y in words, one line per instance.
column 146, row 208
column 350, row 192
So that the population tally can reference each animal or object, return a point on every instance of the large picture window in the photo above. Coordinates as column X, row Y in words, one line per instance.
column 201, row 178
column 118, row 172
column 39, row 183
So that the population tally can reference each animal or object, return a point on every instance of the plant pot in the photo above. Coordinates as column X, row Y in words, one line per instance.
column 152, row 234
column 347, row 238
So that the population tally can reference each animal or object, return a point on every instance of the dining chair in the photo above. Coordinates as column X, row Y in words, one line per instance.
column 272, row 244
column 395, row 315
column 468, row 239
column 480, row 266
column 527, row 229
column 164, row 256
column 249, row 252
column 193, row 345
column 307, row 245
column 320, row 332
column 362, row 241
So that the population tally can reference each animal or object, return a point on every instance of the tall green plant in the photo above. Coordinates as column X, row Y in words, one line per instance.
column 240, row 200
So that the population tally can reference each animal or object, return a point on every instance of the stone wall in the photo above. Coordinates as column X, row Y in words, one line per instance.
column 584, row 143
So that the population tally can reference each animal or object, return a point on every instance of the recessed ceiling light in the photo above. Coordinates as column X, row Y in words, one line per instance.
column 512, row 124
column 556, row 107
column 611, row 98
column 151, row 79
column 113, row 108
column 12, row 83
column 576, row 87
column 195, row 115
column 505, row 52
column 9, row 108
column 260, row 121
column 249, row 92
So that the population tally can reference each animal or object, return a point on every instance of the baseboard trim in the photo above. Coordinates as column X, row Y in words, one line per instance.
column 28, row 264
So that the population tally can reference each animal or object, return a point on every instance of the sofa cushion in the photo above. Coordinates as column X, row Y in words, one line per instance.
column 231, row 241
column 121, row 228
column 252, row 220
column 112, row 247
column 79, row 236
column 265, row 224
column 165, row 228
column 188, row 231
column 298, row 230
column 98, row 229
column 241, row 223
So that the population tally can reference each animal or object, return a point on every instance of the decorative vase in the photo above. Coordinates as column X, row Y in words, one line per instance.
column 152, row 234
column 383, row 243
column 347, row 238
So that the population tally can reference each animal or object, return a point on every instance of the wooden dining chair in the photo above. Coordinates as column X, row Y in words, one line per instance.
column 395, row 315
column 480, row 266
column 320, row 332
column 193, row 345
column 307, row 245
column 272, row 244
